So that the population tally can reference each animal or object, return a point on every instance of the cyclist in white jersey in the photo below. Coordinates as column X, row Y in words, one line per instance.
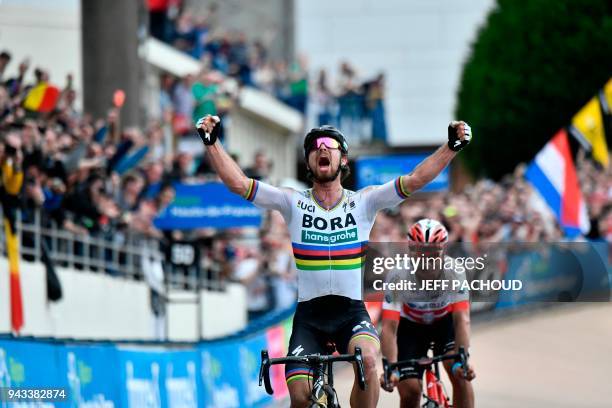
column 329, row 228
column 413, row 320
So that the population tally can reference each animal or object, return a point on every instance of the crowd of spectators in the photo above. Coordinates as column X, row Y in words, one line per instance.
column 91, row 178
column 502, row 212
column 87, row 175
column 354, row 104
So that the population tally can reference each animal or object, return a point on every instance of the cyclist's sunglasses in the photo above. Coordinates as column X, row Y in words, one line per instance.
column 327, row 141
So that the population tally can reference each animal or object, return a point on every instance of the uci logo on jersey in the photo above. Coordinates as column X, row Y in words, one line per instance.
column 305, row 206
column 308, row 221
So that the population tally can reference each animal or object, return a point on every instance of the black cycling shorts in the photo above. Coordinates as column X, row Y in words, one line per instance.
column 323, row 320
column 414, row 340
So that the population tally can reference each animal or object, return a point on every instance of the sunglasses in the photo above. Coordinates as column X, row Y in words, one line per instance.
column 327, row 142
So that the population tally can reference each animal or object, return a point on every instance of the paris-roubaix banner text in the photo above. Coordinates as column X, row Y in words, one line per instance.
column 207, row 205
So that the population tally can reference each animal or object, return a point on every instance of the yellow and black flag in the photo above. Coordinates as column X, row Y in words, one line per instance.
column 589, row 125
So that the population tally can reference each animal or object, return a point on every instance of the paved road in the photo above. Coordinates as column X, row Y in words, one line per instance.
column 559, row 357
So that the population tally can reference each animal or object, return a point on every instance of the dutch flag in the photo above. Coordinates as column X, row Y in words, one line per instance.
column 553, row 176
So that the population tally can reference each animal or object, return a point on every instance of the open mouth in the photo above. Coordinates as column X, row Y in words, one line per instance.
column 324, row 163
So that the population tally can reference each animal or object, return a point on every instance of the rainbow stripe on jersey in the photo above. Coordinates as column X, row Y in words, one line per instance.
column 320, row 258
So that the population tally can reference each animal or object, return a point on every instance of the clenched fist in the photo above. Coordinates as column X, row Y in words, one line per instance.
column 208, row 129
column 459, row 135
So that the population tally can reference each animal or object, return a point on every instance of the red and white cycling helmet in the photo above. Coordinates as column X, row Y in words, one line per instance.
column 428, row 231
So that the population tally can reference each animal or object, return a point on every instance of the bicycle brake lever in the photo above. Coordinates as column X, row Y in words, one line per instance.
column 264, row 372
column 386, row 373
column 463, row 359
column 360, row 369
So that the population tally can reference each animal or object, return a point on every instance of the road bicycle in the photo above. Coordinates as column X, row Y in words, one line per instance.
column 322, row 394
column 436, row 395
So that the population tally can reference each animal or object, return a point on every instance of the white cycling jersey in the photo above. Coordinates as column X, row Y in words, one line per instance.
column 425, row 306
column 328, row 245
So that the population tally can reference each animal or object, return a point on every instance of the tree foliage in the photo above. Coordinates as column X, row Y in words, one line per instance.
column 533, row 65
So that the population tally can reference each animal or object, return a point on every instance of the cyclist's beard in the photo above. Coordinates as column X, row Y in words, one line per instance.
column 327, row 179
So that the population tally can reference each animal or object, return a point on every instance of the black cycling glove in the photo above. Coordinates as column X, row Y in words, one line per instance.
column 208, row 138
column 454, row 143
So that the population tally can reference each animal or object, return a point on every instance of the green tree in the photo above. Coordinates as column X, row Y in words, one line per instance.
column 533, row 65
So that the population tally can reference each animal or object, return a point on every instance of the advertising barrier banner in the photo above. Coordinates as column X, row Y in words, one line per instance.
column 207, row 205
column 90, row 373
column 158, row 378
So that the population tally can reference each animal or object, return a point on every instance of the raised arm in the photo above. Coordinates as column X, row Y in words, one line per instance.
column 395, row 191
column 459, row 135
column 227, row 169
column 261, row 194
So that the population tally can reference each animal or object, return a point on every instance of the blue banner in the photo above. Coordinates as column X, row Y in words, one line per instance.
column 562, row 272
column 30, row 364
column 221, row 382
column 106, row 375
column 207, row 205
column 182, row 378
column 87, row 370
column 158, row 378
column 249, row 352
column 374, row 170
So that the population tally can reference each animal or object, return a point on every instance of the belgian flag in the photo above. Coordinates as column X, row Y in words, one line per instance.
column 42, row 98
column 11, row 185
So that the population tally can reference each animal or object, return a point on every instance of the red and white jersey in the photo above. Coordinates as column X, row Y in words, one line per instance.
column 424, row 306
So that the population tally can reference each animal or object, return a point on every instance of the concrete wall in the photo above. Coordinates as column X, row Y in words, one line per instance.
column 419, row 44
column 97, row 306
column 260, row 122
column 49, row 33
column 222, row 313
column 270, row 21
column 248, row 133
column 93, row 305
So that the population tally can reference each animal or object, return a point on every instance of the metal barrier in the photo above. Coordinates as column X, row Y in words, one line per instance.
column 120, row 254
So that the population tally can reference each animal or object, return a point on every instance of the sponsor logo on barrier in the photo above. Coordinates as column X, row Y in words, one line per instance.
column 249, row 365
column 218, row 395
column 5, row 377
column 182, row 391
column 143, row 392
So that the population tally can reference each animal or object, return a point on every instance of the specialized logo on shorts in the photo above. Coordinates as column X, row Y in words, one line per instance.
column 339, row 237
column 298, row 350
column 360, row 325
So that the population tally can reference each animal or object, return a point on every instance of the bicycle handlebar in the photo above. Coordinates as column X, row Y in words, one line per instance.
column 461, row 357
column 312, row 360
